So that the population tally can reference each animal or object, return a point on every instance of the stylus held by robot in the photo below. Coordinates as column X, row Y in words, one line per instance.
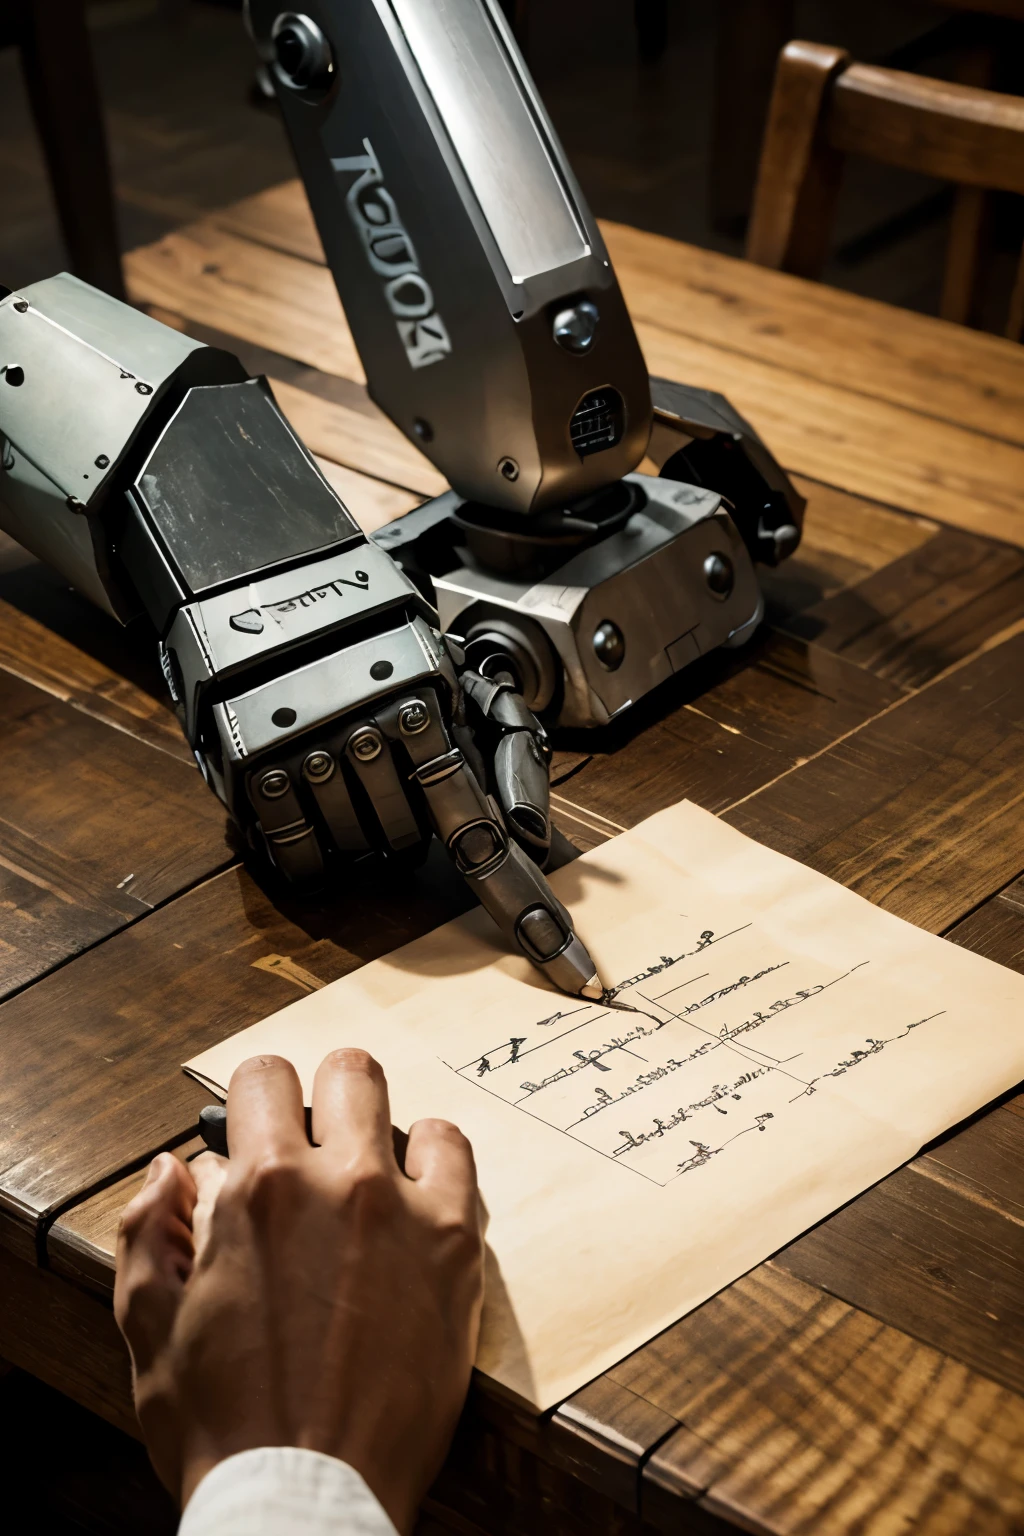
column 344, row 696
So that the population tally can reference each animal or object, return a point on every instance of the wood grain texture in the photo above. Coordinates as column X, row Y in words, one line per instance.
column 966, row 378
column 90, row 1057
column 369, row 443
column 797, row 178
column 803, row 1414
column 33, row 652
column 371, row 502
column 66, row 1337
column 95, row 830
column 937, row 1249
column 730, row 722
column 865, row 435
column 922, row 612
column 935, row 369
column 843, row 437
column 939, row 128
column 274, row 300
column 919, row 810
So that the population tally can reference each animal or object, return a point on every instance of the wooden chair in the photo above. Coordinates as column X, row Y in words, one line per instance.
column 824, row 107
column 57, row 61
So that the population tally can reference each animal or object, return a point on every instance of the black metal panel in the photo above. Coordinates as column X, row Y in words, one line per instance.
column 231, row 491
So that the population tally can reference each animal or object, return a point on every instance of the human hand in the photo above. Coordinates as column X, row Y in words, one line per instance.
column 314, row 1296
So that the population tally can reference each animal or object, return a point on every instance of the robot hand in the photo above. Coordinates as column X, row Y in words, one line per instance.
column 418, row 761
column 323, row 706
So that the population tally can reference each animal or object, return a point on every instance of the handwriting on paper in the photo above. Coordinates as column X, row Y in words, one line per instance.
column 660, row 1079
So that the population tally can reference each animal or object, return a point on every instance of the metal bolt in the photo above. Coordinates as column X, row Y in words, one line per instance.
column 318, row 767
column 366, row 744
column 719, row 574
column 609, row 645
column 274, row 784
column 508, row 468
column 413, row 717
column 575, row 327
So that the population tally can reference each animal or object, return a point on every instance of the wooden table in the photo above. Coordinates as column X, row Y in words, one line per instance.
column 869, row 1378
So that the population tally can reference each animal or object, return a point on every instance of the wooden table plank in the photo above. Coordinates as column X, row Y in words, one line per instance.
column 274, row 300
column 803, row 1414
column 90, row 1076
column 34, row 653
column 730, row 722
column 886, row 452
column 968, row 378
column 920, row 810
column 95, row 830
column 774, row 1408
column 852, row 438
column 369, row 443
column 922, row 612
column 936, row 369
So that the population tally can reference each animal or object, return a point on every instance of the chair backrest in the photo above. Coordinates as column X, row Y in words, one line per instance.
column 825, row 107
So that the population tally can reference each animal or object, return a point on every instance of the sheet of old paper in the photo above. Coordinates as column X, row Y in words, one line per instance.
column 772, row 1044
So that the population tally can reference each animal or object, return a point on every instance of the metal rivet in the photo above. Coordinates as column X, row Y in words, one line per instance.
column 508, row 468
column 575, row 327
column 318, row 767
column 366, row 744
column 719, row 574
column 284, row 717
column 274, row 784
column 609, row 645
column 413, row 717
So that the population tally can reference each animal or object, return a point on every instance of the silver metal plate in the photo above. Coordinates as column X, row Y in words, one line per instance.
column 476, row 89
column 325, row 689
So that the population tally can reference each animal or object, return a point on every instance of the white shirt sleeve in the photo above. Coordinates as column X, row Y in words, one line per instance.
column 281, row 1490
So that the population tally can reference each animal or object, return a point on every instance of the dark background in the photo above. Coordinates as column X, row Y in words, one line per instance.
column 645, row 137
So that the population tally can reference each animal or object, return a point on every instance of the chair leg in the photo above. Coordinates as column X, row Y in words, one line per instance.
column 962, row 251
column 62, row 88
column 799, row 175
column 1015, row 319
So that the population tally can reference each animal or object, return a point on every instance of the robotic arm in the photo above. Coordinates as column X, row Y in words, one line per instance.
column 323, row 705
column 493, row 332
column 342, row 695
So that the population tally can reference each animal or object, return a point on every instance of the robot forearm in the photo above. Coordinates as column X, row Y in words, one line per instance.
column 311, row 680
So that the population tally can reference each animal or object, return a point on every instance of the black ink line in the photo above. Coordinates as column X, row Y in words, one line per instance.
column 877, row 1047
column 541, row 1121
column 541, row 1044
column 737, row 1049
column 682, row 984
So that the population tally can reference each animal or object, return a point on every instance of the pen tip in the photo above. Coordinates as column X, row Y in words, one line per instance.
column 593, row 990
